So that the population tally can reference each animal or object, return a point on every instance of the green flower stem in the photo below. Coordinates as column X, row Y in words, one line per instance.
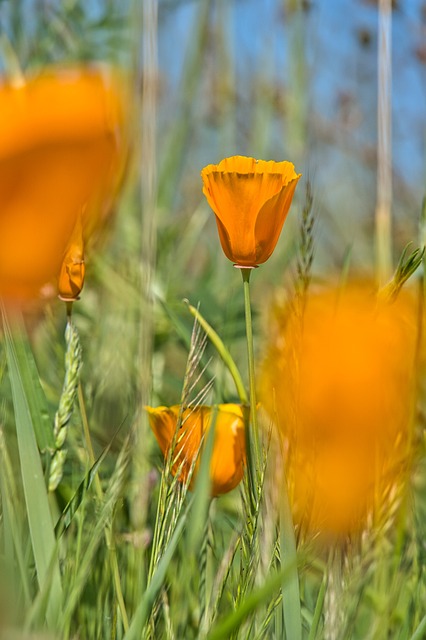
column 222, row 351
column 252, row 434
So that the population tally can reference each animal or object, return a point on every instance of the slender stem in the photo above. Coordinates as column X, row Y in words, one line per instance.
column 88, row 439
column 252, row 434
column 384, row 146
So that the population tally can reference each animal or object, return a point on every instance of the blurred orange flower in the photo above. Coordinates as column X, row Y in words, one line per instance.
column 341, row 392
column 228, row 457
column 61, row 154
column 251, row 199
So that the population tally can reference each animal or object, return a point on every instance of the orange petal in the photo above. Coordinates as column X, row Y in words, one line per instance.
column 236, row 199
column 237, row 189
column 270, row 220
column 342, row 392
column 228, row 457
column 60, row 150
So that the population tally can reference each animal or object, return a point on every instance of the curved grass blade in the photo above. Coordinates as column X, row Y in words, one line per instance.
column 37, row 403
column 420, row 631
column 222, row 351
column 318, row 611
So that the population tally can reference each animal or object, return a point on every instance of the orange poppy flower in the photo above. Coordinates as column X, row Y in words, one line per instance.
column 228, row 456
column 341, row 392
column 250, row 199
column 61, row 153
column 71, row 276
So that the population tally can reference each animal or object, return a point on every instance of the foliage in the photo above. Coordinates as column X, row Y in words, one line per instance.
column 119, row 548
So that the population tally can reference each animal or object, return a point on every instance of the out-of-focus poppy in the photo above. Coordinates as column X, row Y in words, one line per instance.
column 61, row 153
column 340, row 388
column 251, row 199
column 228, row 456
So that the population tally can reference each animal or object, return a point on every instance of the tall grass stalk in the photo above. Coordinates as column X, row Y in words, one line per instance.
column 148, row 192
column 383, row 214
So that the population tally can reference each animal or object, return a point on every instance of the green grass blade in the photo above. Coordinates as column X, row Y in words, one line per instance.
column 255, row 599
column 39, row 517
column 70, row 509
column 223, row 352
column 198, row 517
column 290, row 588
column 85, row 565
column 37, row 403
column 14, row 545
column 157, row 582
column 420, row 632
column 318, row 610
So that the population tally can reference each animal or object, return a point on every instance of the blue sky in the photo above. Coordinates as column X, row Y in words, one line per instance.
column 341, row 72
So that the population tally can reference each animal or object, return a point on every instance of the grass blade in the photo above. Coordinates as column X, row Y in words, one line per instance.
column 37, row 403
column 290, row 588
column 144, row 609
column 420, row 631
column 39, row 517
column 14, row 546
column 255, row 599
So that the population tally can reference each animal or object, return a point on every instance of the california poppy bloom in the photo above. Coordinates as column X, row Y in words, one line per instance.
column 340, row 390
column 250, row 199
column 61, row 154
column 71, row 276
column 228, row 456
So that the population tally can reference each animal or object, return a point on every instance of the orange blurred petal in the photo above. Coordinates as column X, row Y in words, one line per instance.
column 61, row 148
column 341, row 390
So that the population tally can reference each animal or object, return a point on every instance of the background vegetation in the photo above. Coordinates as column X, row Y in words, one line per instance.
column 133, row 555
